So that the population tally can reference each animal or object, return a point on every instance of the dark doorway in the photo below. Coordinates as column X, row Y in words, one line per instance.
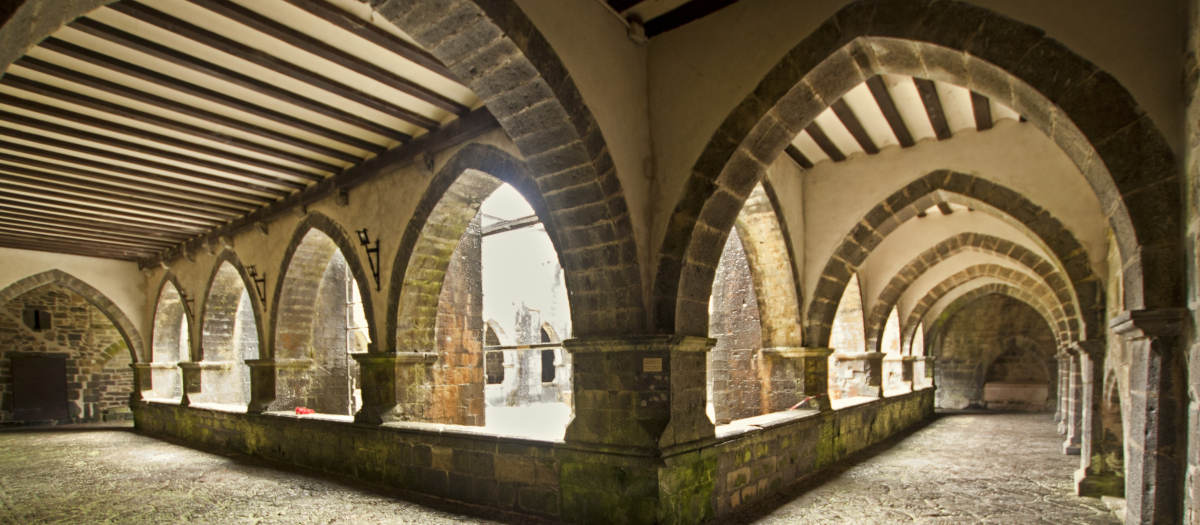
column 39, row 388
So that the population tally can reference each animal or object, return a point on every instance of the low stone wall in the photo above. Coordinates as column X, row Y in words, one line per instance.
column 686, row 484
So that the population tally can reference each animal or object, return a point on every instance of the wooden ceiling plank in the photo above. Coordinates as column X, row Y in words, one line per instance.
column 796, row 155
column 69, row 75
column 75, row 192
column 148, row 75
column 45, row 204
column 86, row 217
column 683, row 15
column 621, row 6
column 181, row 59
column 225, row 197
column 933, row 107
column 983, row 111
column 108, row 140
column 193, row 147
column 887, row 105
column 105, row 208
column 944, row 208
column 145, row 163
column 123, row 191
column 375, row 35
column 70, row 248
column 818, row 135
column 456, row 132
column 44, row 233
column 850, row 120
column 77, row 99
column 167, row 237
column 49, row 225
column 316, row 47
column 229, row 46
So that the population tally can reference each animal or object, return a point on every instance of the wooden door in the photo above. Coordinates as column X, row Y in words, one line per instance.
column 39, row 388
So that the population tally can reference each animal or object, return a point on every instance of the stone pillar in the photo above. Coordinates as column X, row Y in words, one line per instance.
column 929, row 381
column 795, row 374
column 1093, row 478
column 1060, row 402
column 1155, row 467
column 395, row 386
column 143, row 381
column 191, row 382
column 906, row 372
column 867, row 367
column 1074, row 410
column 645, row 392
column 262, row 385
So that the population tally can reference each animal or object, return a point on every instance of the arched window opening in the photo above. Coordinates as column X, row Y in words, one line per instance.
column 1114, row 427
column 919, row 366
column 229, row 336
column 171, row 344
column 848, row 377
column 524, row 294
column 321, row 322
column 75, row 370
column 734, row 387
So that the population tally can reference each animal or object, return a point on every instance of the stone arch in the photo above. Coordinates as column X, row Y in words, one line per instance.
column 1046, row 303
column 229, row 259
column 299, row 251
column 223, row 348
column 1092, row 118
column 849, row 316
column 113, row 313
column 978, row 242
column 769, row 253
column 548, row 332
column 448, row 206
column 930, row 335
column 904, row 204
column 496, row 51
column 171, row 337
column 494, row 329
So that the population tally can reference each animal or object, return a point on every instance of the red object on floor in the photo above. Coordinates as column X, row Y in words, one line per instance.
column 302, row 410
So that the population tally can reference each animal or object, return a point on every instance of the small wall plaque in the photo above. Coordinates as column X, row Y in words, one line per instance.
column 652, row 364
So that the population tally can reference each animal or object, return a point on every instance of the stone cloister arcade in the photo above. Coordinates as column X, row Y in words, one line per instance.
column 889, row 208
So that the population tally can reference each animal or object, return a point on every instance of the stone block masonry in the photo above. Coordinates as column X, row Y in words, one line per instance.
column 575, row 483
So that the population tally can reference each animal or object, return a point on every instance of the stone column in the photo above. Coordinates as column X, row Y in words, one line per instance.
column 191, row 382
column 1093, row 478
column 795, row 374
column 1074, row 410
column 1060, row 402
column 262, row 385
column 1157, row 416
column 646, row 392
column 870, row 365
column 906, row 372
column 143, row 381
column 395, row 386
column 929, row 381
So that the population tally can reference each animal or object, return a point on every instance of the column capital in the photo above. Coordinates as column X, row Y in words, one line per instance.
column 1092, row 348
column 639, row 343
column 797, row 351
column 1140, row 324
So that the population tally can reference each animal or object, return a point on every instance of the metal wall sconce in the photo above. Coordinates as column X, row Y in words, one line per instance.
column 372, row 254
column 190, row 311
column 260, row 283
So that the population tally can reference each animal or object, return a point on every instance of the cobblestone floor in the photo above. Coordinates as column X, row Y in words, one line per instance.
column 960, row 469
column 118, row 476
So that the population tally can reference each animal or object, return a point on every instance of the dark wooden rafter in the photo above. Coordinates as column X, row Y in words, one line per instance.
column 176, row 171
column 169, row 198
column 69, row 75
column 887, row 106
column 983, row 111
column 110, row 140
column 130, row 176
column 375, row 35
column 171, row 237
column 43, row 222
column 854, row 126
column 10, row 229
column 108, row 208
column 456, row 132
column 126, row 68
column 70, row 97
column 933, row 107
column 796, row 155
column 944, row 208
column 242, row 51
column 309, row 44
column 181, row 59
column 54, row 187
column 818, row 135
column 621, row 6
column 684, row 14
column 82, row 249
column 92, row 217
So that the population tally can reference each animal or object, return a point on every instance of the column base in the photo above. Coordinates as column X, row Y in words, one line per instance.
column 143, row 381
column 262, row 385
column 192, row 386
column 1071, row 449
column 805, row 370
column 395, row 386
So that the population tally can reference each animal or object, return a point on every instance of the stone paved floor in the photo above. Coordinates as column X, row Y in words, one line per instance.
column 960, row 469
column 964, row 468
column 117, row 476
